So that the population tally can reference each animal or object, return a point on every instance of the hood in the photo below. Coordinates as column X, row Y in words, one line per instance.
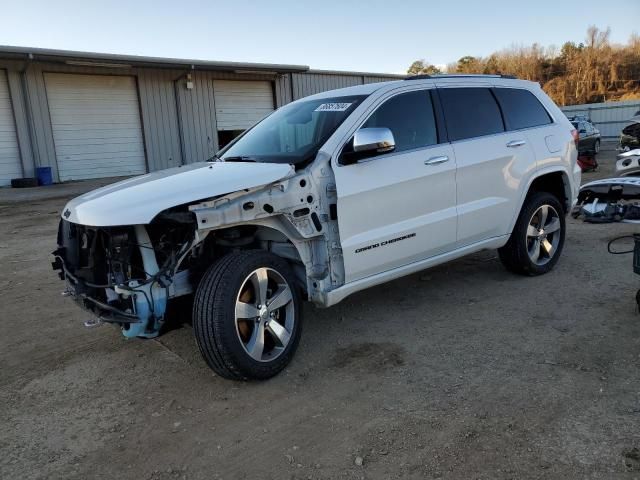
column 138, row 200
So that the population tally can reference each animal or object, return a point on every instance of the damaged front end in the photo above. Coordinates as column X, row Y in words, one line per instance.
column 125, row 275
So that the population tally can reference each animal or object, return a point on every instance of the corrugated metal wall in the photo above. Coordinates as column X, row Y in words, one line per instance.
column 610, row 118
column 179, row 124
column 305, row 84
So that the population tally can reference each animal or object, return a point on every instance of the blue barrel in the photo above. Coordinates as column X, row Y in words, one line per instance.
column 44, row 175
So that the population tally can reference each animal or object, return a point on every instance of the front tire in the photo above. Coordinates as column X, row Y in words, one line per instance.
column 247, row 316
column 597, row 146
column 538, row 237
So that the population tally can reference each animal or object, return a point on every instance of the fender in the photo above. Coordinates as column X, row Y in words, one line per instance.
column 539, row 173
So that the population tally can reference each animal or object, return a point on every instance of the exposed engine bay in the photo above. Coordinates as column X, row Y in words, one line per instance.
column 127, row 274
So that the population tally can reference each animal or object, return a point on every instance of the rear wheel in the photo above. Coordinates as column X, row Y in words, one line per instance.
column 537, row 238
column 246, row 315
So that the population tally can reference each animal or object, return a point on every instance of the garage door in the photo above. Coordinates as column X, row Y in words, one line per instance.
column 10, row 166
column 240, row 104
column 96, row 125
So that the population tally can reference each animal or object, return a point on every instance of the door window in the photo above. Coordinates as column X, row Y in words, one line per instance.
column 410, row 118
column 521, row 108
column 470, row 112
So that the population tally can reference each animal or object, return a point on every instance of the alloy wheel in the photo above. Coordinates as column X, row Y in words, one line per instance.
column 543, row 234
column 264, row 314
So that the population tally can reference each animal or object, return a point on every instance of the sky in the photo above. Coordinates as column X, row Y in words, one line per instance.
column 368, row 36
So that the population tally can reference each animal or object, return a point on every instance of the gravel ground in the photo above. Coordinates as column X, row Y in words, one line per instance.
column 461, row 371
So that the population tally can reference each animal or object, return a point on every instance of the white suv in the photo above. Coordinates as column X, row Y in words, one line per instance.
column 329, row 195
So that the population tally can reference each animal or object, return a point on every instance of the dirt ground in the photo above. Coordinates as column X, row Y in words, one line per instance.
column 464, row 372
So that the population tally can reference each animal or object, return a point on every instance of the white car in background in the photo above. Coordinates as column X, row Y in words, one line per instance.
column 327, row 196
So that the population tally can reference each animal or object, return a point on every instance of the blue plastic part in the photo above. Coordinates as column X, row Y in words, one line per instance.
column 150, row 324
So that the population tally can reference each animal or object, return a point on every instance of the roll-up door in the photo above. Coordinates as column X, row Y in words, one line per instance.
column 10, row 166
column 96, row 125
column 239, row 105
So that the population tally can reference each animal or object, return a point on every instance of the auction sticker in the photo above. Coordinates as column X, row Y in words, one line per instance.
column 333, row 107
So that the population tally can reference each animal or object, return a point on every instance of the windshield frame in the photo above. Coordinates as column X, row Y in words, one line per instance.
column 355, row 101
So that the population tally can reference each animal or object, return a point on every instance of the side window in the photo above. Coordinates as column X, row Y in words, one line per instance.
column 521, row 108
column 470, row 112
column 410, row 118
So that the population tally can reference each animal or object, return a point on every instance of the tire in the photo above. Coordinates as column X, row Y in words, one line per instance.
column 519, row 254
column 24, row 182
column 229, row 343
column 596, row 146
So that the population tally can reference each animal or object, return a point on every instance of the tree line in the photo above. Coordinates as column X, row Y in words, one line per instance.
column 588, row 72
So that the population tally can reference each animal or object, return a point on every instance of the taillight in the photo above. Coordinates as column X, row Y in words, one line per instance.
column 576, row 136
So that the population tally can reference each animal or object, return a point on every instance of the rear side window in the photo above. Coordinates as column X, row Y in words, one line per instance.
column 470, row 112
column 410, row 118
column 521, row 108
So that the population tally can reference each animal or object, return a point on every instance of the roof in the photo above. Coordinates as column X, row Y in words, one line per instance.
column 440, row 80
column 120, row 61
column 366, row 89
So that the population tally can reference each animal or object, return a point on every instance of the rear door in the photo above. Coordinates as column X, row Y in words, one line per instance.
column 400, row 207
column 491, row 162
column 524, row 113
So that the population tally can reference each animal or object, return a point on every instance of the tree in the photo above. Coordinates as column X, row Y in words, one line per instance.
column 592, row 71
column 422, row 67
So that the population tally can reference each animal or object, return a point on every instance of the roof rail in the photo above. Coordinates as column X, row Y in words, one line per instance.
column 424, row 76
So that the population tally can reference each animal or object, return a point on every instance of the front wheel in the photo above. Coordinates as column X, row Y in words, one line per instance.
column 597, row 146
column 537, row 239
column 247, row 316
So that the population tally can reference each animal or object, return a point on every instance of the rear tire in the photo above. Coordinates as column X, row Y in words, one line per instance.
column 247, row 316
column 538, row 237
column 596, row 147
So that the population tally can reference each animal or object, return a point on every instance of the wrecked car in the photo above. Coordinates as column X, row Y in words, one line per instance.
column 609, row 200
column 329, row 195
column 628, row 163
column 630, row 135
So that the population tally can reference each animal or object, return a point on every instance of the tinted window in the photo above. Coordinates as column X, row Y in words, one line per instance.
column 410, row 118
column 470, row 112
column 521, row 108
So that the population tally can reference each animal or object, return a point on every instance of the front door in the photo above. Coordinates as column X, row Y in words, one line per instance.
column 399, row 207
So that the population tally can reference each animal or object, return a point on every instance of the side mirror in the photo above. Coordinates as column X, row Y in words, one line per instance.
column 368, row 142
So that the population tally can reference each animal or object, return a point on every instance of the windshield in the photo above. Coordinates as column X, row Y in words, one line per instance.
column 292, row 134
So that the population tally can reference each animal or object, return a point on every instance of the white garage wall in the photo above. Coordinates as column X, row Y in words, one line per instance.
column 96, row 125
column 10, row 166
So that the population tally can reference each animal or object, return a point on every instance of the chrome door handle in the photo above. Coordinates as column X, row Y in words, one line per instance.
column 516, row 143
column 436, row 160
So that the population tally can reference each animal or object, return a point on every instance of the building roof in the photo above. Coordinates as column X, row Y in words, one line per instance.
column 113, row 60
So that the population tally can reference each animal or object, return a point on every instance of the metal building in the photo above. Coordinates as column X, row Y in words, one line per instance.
column 90, row 115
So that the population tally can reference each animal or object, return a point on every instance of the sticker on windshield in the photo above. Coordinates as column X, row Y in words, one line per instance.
column 333, row 107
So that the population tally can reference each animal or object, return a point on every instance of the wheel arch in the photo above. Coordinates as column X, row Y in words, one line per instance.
column 554, row 180
column 278, row 237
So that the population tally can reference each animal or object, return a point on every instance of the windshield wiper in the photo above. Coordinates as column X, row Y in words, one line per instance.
column 215, row 158
column 243, row 158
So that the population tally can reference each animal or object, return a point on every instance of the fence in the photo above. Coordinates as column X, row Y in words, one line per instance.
column 610, row 118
